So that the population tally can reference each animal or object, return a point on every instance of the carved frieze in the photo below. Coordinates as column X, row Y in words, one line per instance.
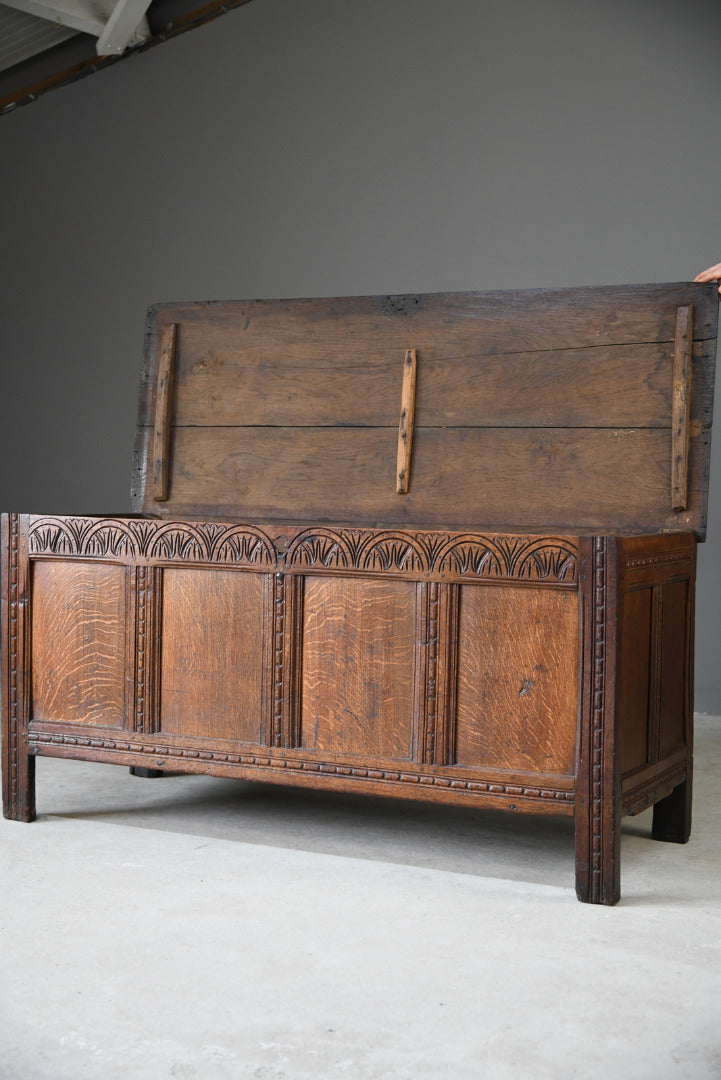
column 208, row 542
column 468, row 555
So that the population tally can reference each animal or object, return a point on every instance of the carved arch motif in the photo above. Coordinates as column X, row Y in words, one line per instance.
column 239, row 545
column 332, row 549
column 469, row 555
column 466, row 555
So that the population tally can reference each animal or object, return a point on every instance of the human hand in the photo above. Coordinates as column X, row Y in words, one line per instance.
column 712, row 274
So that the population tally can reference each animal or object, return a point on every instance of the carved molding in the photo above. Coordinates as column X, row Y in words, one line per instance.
column 290, row 764
column 208, row 542
column 431, row 705
column 469, row 555
column 655, row 789
column 659, row 558
column 13, row 718
column 141, row 633
column 598, row 708
column 147, row 584
column 278, row 659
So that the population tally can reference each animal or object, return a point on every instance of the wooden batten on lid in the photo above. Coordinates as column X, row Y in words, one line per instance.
column 582, row 410
column 161, row 415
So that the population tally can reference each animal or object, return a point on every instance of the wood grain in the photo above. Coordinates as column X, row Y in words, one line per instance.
column 681, row 408
column 655, row 673
column 626, row 385
column 406, row 422
column 463, row 643
column 634, row 680
column 79, row 643
column 672, row 698
column 504, row 478
column 18, row 766
column 358, row 667
column 597, row 799
column 448, row 324
column 517, row 679
column 314, row 372
column 163, row 397
column 212, row 652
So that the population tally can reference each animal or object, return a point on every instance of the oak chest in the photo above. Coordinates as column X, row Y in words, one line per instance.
column 440, row 547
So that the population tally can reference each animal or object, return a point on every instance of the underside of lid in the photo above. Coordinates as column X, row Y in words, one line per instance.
column 580, row 410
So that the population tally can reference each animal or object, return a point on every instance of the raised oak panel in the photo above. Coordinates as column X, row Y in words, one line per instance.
column 358, row 666
column 212, row 655
column 517, row 679
column 79, row 642
column 672, row 719
column 634, row 680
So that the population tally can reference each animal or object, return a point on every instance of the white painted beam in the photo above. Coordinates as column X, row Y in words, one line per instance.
column 115, row 25
column 122, row 28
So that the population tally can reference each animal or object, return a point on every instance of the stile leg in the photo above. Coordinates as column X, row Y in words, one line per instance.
column 598, row 782
column 598, row 854
column 18, row 765
column 672, row 815
column 145, row 774
column 18, row 783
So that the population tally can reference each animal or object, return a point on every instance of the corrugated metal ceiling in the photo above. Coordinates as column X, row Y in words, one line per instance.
column 45, row 44
column 23, row 36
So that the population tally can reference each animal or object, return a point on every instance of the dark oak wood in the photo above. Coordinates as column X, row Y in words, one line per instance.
column 358, row 667
column 212, row 680
column 598, row 782
column 672, row 815
column 18, row 766
column 163, row 398
column 517, row 688
column 510, row 478
column 350, row 385
column 555, row 409
column 79, row 643
column 681, row 412
column 490, row 602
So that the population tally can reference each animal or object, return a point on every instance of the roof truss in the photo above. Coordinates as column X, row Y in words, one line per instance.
column 117, row 25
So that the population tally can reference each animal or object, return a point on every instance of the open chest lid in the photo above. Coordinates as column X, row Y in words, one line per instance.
column 576, row 410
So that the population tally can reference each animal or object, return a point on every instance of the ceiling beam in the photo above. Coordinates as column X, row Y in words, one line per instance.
column 115, row 25
column 73, row 59
column 123, row 27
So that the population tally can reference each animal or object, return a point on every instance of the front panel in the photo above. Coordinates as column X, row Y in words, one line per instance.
column 517, row 679
column 439, row 662
column 79, row 643
column 212, row 677
column 358, row 657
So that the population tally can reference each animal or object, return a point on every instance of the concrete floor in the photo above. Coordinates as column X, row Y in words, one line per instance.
column 198, row 928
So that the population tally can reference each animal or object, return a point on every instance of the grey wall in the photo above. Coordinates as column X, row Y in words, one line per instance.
column 323, row 148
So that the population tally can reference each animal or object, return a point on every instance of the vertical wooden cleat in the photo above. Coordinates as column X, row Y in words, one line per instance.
column 681, row 407
column 405, row 426
column 163, row 399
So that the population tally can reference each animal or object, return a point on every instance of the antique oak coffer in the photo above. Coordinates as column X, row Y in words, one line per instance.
column 439, row 547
